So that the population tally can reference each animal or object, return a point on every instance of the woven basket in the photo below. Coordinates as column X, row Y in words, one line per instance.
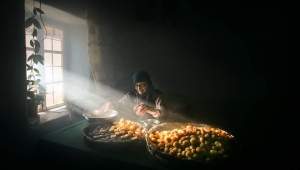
column 172, row 160
column 105, row 142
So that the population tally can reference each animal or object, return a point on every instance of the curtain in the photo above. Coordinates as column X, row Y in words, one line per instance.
column 94, row 47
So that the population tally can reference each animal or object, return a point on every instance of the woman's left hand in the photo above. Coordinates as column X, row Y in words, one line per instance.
column 141, row 109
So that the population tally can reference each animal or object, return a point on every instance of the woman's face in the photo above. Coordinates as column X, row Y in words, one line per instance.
column 141, row 87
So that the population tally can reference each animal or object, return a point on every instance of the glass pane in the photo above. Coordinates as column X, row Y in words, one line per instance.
column 56, row 34
column 49, row 88
column 28, row 53
column 58, row 98
column 28, row 38
column 48, row 59
column 58, row 87
column 49, row 100
column 56, row 59
column 47, row 44
column 49, row 30
column 56, row 45
column 29, row 30
column 48, row 74
column 57, row 73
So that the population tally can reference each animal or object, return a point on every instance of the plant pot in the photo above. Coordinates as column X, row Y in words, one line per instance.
column 32, row 109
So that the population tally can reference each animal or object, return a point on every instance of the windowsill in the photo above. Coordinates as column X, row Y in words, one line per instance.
column 49, row 115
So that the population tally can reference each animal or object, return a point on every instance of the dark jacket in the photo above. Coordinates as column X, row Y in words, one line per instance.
column 153, row 98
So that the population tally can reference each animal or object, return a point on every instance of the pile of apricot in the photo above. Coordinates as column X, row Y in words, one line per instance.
column 125, row 129
column 207, row 144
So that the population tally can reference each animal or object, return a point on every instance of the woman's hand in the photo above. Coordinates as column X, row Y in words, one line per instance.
column 141, row 109
column 106, row 107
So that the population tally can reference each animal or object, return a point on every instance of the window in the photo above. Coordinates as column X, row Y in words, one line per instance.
column 52, row 70
column 53, row 54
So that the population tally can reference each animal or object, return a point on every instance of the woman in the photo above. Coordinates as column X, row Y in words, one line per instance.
column 147, row 101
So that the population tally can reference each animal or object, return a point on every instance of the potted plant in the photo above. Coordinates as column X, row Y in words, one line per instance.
column 35, row 91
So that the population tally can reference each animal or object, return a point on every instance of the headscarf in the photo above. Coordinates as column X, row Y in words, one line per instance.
column 141, row 76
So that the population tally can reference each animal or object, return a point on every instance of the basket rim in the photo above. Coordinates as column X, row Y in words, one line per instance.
column 153, row 147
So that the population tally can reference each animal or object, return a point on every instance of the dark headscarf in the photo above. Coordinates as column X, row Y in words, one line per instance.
column 141, row 76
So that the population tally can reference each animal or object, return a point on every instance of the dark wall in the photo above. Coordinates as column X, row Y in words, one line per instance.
column 204, row 50
column 15, row 142
column 219, row 52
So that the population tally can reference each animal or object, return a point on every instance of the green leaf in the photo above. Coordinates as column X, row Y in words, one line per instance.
column 35, row 59
column 38, row 80
column 31, row 43
column 27, row 82
column 36, row 46
column 40, row 59
column 30, row 94
column 39, row 98
column 42, row 62
column 36, row 70
column 28, row 22
column 29, row 77
column 36, row 23
column 30, row 57
column 34, row 33
column 40, row 11
column 28, row 67
column 34, row 11
column 38, row 75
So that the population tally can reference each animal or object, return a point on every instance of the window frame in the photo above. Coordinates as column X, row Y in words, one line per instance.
column 62, row 64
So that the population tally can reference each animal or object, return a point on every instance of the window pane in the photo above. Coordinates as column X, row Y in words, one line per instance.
column 29, row 30
column 58, row 98
column 57, row 73
column 49, row 100
column 58, row 87
column 47, row 44
column 48, row 74
column 28, row 38
column 49, row 88
column 49, row 31
column 56, row 45
column 48, row 59
column 56, row 59
column 28, row 53
column 56, row 34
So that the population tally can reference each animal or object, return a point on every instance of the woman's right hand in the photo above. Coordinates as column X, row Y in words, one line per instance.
column 106, row 107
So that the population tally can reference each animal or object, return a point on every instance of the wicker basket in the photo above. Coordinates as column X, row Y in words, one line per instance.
column 171, row 160
column 105, row 142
